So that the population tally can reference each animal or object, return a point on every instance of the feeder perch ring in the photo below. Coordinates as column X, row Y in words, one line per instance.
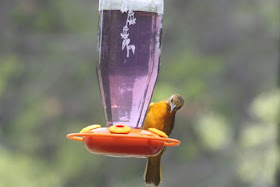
column 136, row 143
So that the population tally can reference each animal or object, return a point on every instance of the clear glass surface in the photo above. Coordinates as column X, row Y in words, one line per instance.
column 129, row 58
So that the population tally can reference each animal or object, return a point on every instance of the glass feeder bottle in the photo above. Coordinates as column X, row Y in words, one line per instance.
column 129, row 48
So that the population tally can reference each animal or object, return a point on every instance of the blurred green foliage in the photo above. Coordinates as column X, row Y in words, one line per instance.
column 260, row 135
column 20, row 170
column 220, row 55
column 213, row 131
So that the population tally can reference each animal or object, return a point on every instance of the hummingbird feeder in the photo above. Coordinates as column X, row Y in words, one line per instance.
column 129, row 49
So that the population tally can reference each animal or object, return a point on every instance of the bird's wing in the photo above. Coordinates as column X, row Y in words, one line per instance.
column 172, row 126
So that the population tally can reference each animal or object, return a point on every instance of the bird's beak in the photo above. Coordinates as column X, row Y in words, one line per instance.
column 172, row 107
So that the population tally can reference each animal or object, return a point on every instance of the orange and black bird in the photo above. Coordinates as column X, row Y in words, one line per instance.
column 161, row 115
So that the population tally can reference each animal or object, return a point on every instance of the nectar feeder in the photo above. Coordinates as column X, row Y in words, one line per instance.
column 129, row 51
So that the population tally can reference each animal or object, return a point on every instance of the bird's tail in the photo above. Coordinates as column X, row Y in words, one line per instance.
column 152, row 173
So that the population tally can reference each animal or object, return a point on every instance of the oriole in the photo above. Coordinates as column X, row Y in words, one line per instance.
column 161, row 115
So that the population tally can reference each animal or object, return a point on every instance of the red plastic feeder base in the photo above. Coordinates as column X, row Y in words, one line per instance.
column 136, row 143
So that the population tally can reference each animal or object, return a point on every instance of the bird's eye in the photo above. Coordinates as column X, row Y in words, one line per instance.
column 171, row 100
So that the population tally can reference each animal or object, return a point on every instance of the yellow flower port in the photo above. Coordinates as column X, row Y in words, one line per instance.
column 89, row 128
column 158, row 132
column 120, row 129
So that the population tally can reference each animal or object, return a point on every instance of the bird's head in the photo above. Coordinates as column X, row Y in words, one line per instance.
column 176, row 102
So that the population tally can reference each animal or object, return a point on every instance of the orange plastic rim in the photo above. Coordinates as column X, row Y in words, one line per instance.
column 136, row 143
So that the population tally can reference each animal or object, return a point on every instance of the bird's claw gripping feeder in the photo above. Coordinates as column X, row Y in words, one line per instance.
column 129, row 58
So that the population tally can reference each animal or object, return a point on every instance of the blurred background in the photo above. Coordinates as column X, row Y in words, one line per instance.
column 221, row 55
